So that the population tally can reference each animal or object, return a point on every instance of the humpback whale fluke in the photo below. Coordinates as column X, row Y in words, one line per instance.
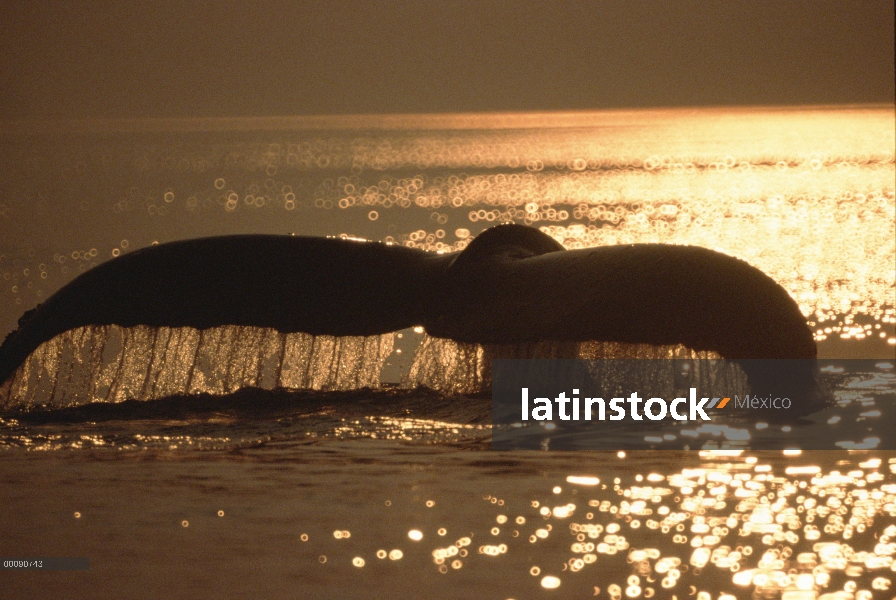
column 512, row 284
column 517, row 288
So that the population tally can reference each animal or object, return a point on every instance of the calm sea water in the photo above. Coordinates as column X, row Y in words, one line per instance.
column 394, row 493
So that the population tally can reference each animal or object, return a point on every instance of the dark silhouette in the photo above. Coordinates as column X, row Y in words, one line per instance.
column 512, row 284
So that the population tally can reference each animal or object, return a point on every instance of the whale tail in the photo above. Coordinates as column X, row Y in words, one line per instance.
column 511, row 285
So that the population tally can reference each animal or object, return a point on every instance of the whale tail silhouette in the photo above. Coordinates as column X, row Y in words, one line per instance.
column 512, row 285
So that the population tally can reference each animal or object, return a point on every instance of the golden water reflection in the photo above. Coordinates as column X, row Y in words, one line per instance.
column 738, row 525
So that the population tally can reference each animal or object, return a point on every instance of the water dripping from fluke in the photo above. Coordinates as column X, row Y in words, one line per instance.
column 111, row 364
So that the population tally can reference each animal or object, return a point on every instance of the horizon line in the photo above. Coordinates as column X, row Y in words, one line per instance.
column 383, row 121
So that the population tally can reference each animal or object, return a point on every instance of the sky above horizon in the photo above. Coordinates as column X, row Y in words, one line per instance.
column 280, row 57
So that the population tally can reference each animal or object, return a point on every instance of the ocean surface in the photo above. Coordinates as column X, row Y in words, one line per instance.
column 364, row 485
